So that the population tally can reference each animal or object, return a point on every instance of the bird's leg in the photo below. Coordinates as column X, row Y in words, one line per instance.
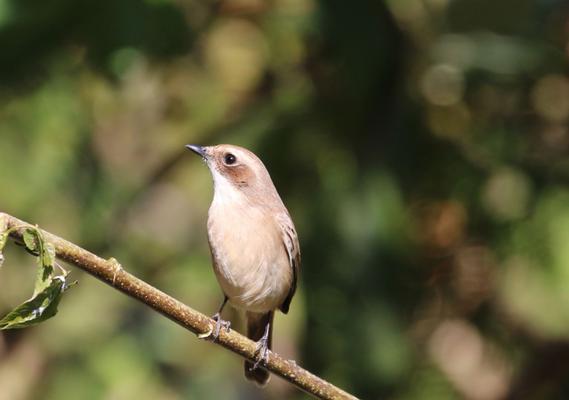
column 220, row 322
column 262, row 350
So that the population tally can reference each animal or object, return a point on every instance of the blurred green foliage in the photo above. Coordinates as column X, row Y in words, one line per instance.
column 420, row 145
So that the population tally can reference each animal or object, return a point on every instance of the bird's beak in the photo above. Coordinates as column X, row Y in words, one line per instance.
column 199, row 150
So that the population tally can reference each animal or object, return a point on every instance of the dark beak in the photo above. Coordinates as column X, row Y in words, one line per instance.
column 199, row 150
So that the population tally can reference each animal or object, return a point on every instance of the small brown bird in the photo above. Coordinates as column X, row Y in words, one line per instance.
column 253, row 243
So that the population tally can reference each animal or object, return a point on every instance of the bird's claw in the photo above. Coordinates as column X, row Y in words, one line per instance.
column 262, row 353
column 219, row 323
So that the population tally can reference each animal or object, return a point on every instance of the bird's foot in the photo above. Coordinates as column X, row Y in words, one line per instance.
column 219, row 323
column 261, row 352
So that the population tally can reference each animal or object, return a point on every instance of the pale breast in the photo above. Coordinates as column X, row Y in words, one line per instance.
column 250, row 260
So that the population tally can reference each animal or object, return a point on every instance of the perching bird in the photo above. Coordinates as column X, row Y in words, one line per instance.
column 253, row 243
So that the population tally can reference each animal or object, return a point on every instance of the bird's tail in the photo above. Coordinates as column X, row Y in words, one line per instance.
column 256, row 325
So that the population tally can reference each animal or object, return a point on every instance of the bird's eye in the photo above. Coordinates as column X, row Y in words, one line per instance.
column 229, row 159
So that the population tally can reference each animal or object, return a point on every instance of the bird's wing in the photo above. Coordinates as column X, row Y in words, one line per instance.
column 292, row 247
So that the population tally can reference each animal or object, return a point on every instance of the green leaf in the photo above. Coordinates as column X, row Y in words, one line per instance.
column 45, row 251
column 43, row 278
column 48, row 288
column 47, row 254
column 31, row 239
column 3, row 239
column 40, row 307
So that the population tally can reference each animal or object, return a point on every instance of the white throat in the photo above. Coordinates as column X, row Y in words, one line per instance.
column 224, row 192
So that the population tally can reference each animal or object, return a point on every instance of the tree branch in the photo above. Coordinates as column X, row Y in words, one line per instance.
column 110, row 272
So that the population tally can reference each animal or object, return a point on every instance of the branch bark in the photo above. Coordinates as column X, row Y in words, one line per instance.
column 110, row 272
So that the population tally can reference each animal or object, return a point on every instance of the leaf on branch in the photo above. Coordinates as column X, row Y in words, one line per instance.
column 47, row 254
column 31, row 239
column 3, row 239
column 48, row 287
column 44, row 275
column 39, row 308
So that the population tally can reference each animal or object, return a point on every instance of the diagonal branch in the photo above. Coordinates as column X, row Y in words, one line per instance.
column 110, row 272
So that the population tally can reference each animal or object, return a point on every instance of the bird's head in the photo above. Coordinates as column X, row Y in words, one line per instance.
column 236, row 170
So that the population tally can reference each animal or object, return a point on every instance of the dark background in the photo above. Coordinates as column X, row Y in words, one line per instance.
column 421, row 147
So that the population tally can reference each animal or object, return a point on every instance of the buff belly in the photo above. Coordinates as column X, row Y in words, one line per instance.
column 252, row 267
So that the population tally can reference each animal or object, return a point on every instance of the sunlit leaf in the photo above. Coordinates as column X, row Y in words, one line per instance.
column 45, row 251
column 37, row 309
column 43, row 278
column 3, row 239
column 31, row 239
column 47, row 289
column 47, row 254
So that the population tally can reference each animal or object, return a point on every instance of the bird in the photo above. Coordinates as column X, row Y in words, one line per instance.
column 253, row 243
